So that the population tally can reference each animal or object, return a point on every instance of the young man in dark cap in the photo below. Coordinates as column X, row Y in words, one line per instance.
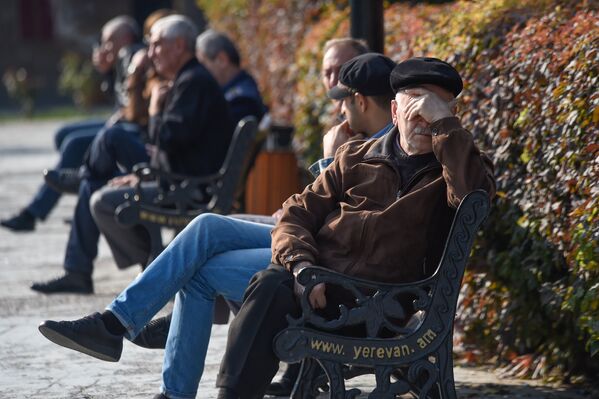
column 365, row 100
column 380, row 211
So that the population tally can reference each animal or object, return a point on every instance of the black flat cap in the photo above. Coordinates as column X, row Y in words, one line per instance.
column 367, row 74
column 424, row 70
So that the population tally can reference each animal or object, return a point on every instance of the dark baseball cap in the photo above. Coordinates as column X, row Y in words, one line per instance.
column 367, row 74
column 425, row 70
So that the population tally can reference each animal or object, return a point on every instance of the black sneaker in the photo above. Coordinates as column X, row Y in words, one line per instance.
column 63, row 180
column 154, row 334
column 87, row 335
column 70, row 282
column 160, row 396
column 24, row 221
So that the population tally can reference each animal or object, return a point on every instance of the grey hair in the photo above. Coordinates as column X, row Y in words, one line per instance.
column 123, row 24
column 175, row 26
column 358, row 45
column 211, row 42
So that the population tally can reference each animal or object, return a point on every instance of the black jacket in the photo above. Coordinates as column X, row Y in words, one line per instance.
column 243, row 97
column 194, row 130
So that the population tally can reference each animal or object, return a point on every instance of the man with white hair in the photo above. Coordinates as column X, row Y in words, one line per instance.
column 190, row 131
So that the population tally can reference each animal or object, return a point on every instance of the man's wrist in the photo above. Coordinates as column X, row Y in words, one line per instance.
column 444, row 125
column 317, row 167
column 297, row 266
column 153, row 111
column 442, row 115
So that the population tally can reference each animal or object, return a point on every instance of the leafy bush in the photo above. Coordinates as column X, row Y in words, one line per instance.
column 533, row 102
column 79, row 79
column 19, row 86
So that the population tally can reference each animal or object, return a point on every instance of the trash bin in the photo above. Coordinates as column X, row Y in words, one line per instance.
column 275, row 175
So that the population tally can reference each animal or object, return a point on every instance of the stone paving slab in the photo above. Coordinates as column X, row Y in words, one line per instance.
column 32, row 367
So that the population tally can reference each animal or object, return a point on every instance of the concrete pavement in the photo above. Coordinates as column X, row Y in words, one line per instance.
column 32, row 367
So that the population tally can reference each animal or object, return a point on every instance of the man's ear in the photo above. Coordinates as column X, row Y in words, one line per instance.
column 394, row 111
column 222, row 59
column 453, row 106
column 180, row 45
column 362, row 102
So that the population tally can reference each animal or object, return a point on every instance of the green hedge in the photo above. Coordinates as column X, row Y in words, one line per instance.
column 531, row 101
column 530, row 71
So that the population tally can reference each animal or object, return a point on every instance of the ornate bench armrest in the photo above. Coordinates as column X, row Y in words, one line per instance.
column 371, row 299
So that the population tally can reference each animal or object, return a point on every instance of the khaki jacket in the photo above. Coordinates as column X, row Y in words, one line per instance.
column 353, row 218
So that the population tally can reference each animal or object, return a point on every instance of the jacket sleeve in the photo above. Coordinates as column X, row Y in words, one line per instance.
column 464, row 167
column 183, row 116
column 293, row 238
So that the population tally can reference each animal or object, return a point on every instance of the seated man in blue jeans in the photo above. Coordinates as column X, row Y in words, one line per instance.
column 118, row 44
column 213, row 255
column 129, row 245
column 189, row 126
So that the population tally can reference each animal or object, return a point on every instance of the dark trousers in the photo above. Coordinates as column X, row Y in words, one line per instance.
column 72, row 142
column 113, row 151
column 129, row 245
column 249, row 363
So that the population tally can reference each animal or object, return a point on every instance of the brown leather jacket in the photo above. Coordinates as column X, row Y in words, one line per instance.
column 354, row 220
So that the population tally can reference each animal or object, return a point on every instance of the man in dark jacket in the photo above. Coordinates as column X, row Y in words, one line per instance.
column 189, row 127
column 220, row 57
column 380, row 211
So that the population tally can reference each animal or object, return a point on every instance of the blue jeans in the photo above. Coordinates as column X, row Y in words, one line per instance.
column 113, row 150
column 214, row 255
column 72, row 142
column 75, row 129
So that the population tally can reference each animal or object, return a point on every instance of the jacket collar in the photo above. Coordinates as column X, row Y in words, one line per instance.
column 382, row 148
column 193, row 62
column 237, row 79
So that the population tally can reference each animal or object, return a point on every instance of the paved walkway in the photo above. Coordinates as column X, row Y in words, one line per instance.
column 32, row 367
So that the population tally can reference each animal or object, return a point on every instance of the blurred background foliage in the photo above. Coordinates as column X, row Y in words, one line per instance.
column 19, row 87
column 530, row 300
column 79, row 79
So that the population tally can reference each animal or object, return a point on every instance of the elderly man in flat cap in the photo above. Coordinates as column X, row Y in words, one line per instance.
column 380, row 211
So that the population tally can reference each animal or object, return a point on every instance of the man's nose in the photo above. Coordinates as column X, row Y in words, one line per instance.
column 343, row 109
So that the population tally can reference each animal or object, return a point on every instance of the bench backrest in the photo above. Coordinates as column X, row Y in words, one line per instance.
column 235, row 166
column 379, row 307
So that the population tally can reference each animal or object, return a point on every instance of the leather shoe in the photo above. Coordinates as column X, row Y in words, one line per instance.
column 154, row 334
column 71, row 282
column 87, row 335
column 63, row 180
column 160, row 396
column 24, row 221
column 284, row 386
